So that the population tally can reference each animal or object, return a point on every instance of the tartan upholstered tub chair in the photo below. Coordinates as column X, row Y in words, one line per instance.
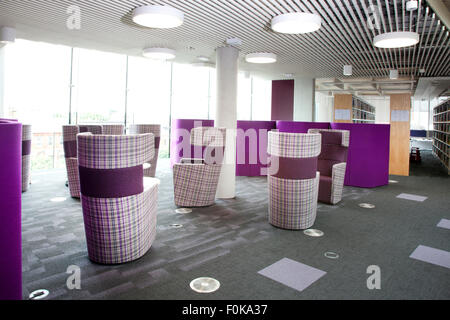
column 70, row 153
column 332, row 164
column 119, row 204
column 113, row 129
column 26, row 156
column 293, row 179
column 195, row 180
column 155, row 129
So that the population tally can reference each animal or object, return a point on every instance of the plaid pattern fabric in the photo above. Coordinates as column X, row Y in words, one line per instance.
column 26, row 166
column 294, row 145
column 195, row 185
column 120, row 230
column 293, row 203
column 92, row 128
column 113, row 129
column 337, row 178
column 114, row 152
column 73, row 177
column 208, row 137
column 345, row 135
column 70, row 132
column 148, row 128
column 26, row 159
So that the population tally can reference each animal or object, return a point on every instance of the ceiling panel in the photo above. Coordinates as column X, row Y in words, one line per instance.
column 345, row 36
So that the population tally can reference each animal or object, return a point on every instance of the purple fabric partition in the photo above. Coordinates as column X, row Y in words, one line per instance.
column 368, row 154
column 10, row 210
column 252, row 147
column 300, row 127
column 176, row 136
column 283, row 99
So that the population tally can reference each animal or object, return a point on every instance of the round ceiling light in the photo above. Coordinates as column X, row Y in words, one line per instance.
column 398, row 39
column 261, row 57
column 159, row 53
column 161, row 17
column 297, row 22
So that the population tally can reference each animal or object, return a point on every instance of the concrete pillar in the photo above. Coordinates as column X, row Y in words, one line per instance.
column 304, row 97
column 226, row 116
column 2, row 79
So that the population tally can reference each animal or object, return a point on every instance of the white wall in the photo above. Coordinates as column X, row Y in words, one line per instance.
column 382, row 106
column 303, row 99
column 324, row 107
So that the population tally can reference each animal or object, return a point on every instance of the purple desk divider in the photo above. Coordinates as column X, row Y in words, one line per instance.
column 368, row 154
column 254, row 132
column 10, row 210
column 300, row 127
column 176, row 137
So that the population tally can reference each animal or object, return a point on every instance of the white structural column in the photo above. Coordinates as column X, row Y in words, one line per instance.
column 226, row 116
column 304, row 97
column 2, row 79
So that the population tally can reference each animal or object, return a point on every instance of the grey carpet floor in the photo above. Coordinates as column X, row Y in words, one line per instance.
column 232, row 240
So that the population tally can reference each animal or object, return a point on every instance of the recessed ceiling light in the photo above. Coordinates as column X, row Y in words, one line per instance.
column 7, row 35
column 288, row 75
column 297, row 22
column 348, row 70
column 159, row 53
column 261, row 57
column 411, row 5
column 393, row 74
column 203, row 64
column 161, row 17
column 398, row 39
column 203, row 58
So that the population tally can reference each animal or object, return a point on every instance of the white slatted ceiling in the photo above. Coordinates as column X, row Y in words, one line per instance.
column 344, row 38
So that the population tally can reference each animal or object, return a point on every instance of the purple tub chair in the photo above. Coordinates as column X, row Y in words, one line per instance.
column 195, row 180
column 70, row 153
column 332, row 164
column 26, row 156
column 294, row 182
column 155, row 129
column 119, row 204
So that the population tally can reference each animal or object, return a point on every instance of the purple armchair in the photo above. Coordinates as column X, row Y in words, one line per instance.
column 155, row 129
column 195, row 180
column 119, row 203
column 70, row 153
column 26, row 156
column 332, row 164
column 293, row 179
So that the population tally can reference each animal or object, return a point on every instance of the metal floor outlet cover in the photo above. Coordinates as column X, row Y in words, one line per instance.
column 331, row 255
column 39, row 294
column 313, row 233
column 367, row 205
column 205, row 285
column 183, row 210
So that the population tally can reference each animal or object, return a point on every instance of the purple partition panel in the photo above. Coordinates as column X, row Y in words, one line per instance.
column 300, row 127
column 176, row 136
column 10, row 210
column 251, row 153
column 283, row 99
column 368, row 154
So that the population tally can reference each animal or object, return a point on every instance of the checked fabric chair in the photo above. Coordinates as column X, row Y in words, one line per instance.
column 113, row 129
column 26, row 156
column 294, row 183
column 155, row 129
column 70, row 153
column 332, row 164
column 119, row 204
column 195, row 180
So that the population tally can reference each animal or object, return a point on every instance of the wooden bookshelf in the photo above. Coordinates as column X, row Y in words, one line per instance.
column 356, row 109
column 441, row 133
